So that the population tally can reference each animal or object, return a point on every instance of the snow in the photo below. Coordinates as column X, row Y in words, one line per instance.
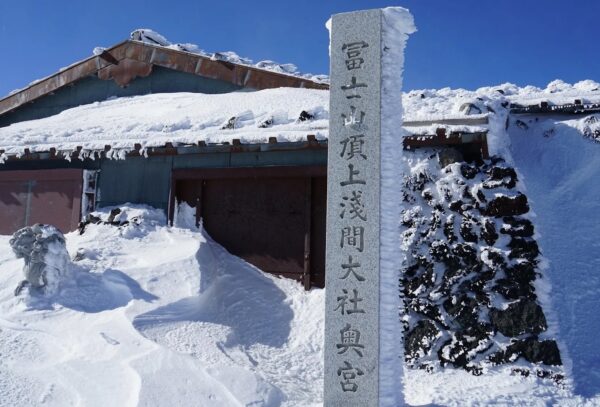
column 253, row 117
column 150, row 36
column 180, row 118
column 558, row 164
column 158, row 315
column 397, row 25
column 561, row 169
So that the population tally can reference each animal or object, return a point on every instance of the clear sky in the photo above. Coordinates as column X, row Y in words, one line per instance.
column 459, row 43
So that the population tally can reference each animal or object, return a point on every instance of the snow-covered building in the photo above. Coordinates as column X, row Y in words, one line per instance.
column 245, row 144
column 500, row 207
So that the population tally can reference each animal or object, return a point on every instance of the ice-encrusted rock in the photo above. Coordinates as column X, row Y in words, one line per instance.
column 532, row 350
column 43, row 249
column 468, row 282
column 507, row 206
column 522, row 317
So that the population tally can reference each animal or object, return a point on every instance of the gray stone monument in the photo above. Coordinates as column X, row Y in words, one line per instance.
column 358, row 106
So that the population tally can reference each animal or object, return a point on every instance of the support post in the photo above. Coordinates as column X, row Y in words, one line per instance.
column 306, row 277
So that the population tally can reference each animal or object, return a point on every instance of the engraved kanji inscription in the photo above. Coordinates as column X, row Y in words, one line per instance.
column 353, row 51
column 355, row 118
column 354, row 205
column 353, row 236
column 354, row 85
column 350, row 269
column 351, row 174
column 349, row 374
column 350, row 340
column 353, row 147
column 348, row 304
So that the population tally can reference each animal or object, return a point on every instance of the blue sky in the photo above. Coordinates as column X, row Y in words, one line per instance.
column 460, row 43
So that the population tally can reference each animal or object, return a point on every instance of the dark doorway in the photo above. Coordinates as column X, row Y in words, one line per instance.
column 272, row 217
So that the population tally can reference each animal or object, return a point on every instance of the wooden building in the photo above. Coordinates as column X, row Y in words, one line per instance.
column 264, row 201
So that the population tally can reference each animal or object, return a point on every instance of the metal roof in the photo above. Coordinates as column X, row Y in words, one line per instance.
column 129, row 59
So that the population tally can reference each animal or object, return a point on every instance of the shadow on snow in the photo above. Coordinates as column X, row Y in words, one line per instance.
column 233, row 293
column 91, row 292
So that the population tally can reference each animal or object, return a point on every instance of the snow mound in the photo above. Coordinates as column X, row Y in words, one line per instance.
column 560, row 160
column 159, row 316
column 288, row 114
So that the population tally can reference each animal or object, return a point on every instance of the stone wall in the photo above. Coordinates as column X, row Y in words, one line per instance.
column 468, row 283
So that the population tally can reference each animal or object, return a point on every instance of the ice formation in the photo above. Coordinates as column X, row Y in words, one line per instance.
column 43, row 249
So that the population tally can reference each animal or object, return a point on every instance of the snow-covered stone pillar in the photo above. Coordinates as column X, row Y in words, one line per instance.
column 363, row 338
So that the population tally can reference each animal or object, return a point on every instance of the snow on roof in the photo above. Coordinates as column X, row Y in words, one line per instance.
column 447, row 103
column 179, row 118
column 150, row 36
column 254, row 117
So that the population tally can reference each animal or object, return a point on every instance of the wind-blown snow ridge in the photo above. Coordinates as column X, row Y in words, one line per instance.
column 397, row 25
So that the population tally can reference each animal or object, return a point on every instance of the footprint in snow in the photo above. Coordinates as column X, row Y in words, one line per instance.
column 108, row 339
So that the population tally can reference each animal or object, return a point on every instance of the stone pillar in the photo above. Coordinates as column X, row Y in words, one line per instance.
column 352, row 317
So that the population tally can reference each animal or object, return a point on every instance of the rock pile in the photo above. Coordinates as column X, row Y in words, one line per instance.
column 467, row 285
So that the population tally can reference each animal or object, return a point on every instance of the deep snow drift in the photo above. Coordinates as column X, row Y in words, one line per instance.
column 179, row 118
column 560, row 161
column 158, row 316
column 254, row 117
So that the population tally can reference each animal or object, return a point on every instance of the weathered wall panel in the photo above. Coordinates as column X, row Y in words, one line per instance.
column 135, row 180
column 47, row 196
column 260, row 220
column 147, row 180
column 272, row 217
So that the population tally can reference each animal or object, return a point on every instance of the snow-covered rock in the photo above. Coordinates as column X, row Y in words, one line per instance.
column 43, row 249
column 467, row 280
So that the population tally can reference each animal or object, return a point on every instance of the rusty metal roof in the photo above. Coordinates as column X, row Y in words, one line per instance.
column 129, row 59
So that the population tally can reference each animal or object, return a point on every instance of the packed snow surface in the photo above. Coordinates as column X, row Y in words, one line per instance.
column 158, row 316
column 560, row 162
